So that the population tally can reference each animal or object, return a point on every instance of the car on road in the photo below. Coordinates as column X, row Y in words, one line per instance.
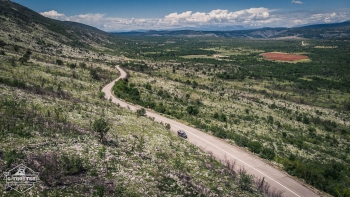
column 181, row 133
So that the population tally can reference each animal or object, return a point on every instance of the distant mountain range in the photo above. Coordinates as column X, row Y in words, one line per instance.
column 318, row 31
column 201, row 28
column 23, row 27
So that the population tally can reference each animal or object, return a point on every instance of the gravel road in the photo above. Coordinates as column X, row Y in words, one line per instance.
column 223, row 150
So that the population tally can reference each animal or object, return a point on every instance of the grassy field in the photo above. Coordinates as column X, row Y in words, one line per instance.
column 294, row 115
column 47, row 114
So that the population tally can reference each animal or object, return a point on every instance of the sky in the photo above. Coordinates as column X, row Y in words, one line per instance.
column 129, row 15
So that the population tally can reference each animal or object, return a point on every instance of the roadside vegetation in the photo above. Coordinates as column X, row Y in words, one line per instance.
column 54, row 118
column 295, row 115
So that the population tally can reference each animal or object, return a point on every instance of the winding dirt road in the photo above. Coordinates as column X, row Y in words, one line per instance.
column 222, row 150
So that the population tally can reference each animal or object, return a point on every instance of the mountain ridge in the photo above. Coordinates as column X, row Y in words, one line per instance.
column 29, row 28
column 266, row 32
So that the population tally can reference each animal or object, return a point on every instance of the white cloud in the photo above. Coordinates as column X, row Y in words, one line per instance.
column 54, row 14
column 216, row 16
column 297, row 2
column 253, row 17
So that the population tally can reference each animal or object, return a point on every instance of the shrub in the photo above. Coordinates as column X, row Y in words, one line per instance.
column 216, row 115
column 267, row 153
column 100, row 191
column 270, row 120
column 72, row 66
column 148, row 86
column 25, row 57
column 284, row 134
column 59, row 62
column 72, row 165
column 245, row 180
column 241, row 140
column 94, row 74
column 101, row 126
column 101, row 95
column 160, row 108
column 167, row 126
column 223, row 118
column 218, row 131
column 11, row 157
column 192, row 110
column 141, row 112
column 82, row 65
column 306, row 120
column 299, row 118
column 254, row 146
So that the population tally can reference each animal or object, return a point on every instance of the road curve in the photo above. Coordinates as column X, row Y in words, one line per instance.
column 222, row 150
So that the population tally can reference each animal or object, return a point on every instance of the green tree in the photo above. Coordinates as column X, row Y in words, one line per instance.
column 194, row 84
column 101, row 95
column 192, row 110
column 82, row 65
column 72, row 165
column 25, row 57
column 306, row 120
column 148, row 86
column 59, row 62
column 268, row 153
column 254, row 146
column 216, row 115
column 101, row 126
column 2, row 44
column 94, row 74
column 270, row 120
column 223, row 118
column 72, row 65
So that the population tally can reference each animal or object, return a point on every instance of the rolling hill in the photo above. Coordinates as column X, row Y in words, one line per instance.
column 25, row 28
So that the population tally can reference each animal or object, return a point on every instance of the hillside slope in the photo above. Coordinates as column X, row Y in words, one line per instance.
column 22, row 27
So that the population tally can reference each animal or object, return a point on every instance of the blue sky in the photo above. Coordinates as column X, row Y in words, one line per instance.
column 121, row 15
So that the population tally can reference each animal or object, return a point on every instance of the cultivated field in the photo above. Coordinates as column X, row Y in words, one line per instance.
column 284, row 57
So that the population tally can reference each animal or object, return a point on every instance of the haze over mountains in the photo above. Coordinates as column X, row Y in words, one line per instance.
column 75, row 33
column 319, row 31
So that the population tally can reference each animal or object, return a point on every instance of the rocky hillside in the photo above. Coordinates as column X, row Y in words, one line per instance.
column 24, row 28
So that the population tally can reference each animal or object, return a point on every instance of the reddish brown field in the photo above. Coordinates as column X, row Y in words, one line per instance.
column 283, row 56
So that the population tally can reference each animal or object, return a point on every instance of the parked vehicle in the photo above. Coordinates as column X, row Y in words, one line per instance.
column 182, row 133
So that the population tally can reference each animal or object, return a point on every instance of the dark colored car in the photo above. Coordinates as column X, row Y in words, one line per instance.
column 181, row 133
